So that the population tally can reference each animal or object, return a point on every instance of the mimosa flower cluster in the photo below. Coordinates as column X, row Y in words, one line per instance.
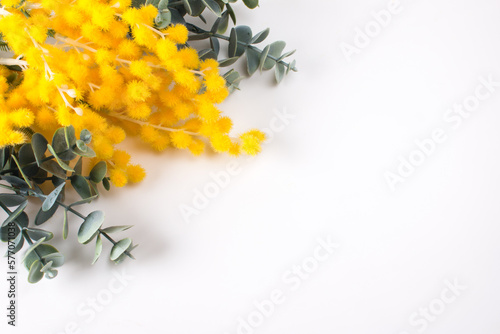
column 103, row 66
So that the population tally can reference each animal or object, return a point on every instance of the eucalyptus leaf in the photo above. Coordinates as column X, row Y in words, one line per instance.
column 253, row 61
column 52, row 197
column 32, row 248
column 98, row 249
column 56, row 258
column 65, row 225
column 15, row 214
column 12, row 199
column 251, row 3
column 58, row 159
column 115, row 229
column 44, row 216
column 81, row 185
column 280, row 72
column 44, row 250
column 90, row 226
column 119, row 248
column 260, row 37
column 98, row 172
column 275, row 50
column 85, row 136
column 35, row 274
column 213, row 6
column 53, row 168
column 37, row 234
column 228, row 62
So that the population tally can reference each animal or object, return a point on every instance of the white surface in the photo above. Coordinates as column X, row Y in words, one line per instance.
column 323, row 175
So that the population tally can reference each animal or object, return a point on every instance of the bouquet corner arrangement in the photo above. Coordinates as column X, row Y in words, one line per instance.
column 79, row 76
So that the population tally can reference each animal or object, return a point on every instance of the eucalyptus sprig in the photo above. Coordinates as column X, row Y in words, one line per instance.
column 23, row 169
column 241, row 40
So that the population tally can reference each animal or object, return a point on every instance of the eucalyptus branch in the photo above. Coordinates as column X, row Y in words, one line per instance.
column 195, row 29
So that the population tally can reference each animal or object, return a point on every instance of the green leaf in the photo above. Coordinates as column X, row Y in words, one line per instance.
column 253, row 61
column 90, row 226
column 222, row 24
column 35, row 274
column 52, row 273
column 213, row 6
column 260, row 37
column 88, row 153
column 119, row 248
column 106, row 184
column 244, row 34
column 251, row 3
column 21, row 171
column 233, row 43
column 44, row 216
column 32, row 248
column 53, row 168
column 275, row 50
column 232, row 15
column 27, row 157
column 81, row 185
column 12, row 199
column 215, row 45
column 65, row 225
column 98, row 172
column 37, row 234
column 69, row 135
column 15, row 214
column 84, row 201
column 15, row 181
column 98, row 249
column 194, row 7
column 280, row 72
column 263, row 56
column 228, row 62
column 80, row 144
column 78, row 167
column 85, row 136
column 286, row 55
column 58, row 159
column 44, row 250
column 115, row 229
column 52, row 197
column 163, row 19
column 56, row 258
column 47, row 267
column 59, row 141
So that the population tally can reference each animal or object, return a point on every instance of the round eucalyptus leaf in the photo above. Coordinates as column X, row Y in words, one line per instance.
column 81, row 185
column 39, row 145
column 86, row 136
column 119, row 248
column 251, row 3
column 57, row 259
column 43, row 250
column 90, row 226
column 98, row 172
column 35, row 272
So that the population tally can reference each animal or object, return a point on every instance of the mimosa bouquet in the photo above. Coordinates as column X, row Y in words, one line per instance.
column 78, row 76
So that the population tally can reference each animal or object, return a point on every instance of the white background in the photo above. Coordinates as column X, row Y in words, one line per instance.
column 323, row 175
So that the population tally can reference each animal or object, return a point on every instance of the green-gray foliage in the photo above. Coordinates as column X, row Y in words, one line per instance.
column 59, row 165
column 241, row 41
